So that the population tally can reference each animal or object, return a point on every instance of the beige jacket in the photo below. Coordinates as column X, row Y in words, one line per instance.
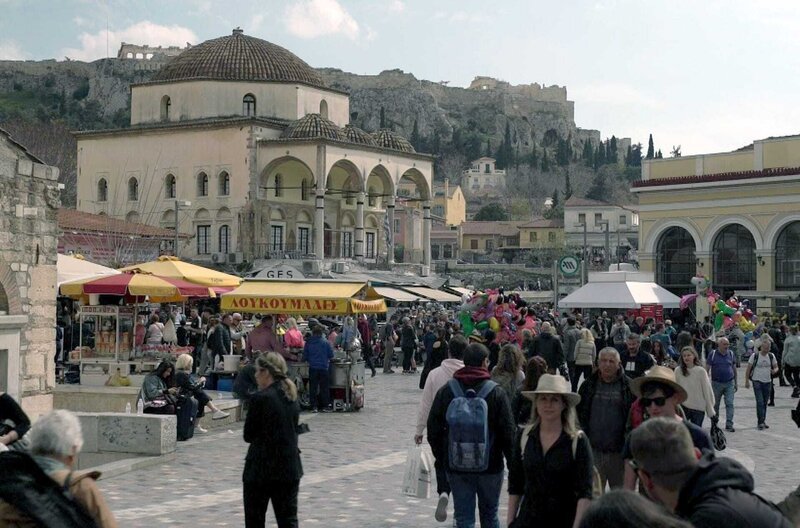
column 85, row 491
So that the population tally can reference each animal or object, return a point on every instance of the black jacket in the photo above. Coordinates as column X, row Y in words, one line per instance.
column 271, row 431
column 501, row 425
column 550, row 349
column 720, row 495
column 220, row 341
column 587, row 392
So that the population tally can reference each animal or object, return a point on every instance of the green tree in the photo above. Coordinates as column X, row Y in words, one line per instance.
column 600, row 155
column 588, row 153
column 545, row 161
column 659, row 155
column 383, row 118
column 567, row 187
column 491, row 212
column 634, row 157
column 599, row 190
column 612, row 150
column 562, row 153
column 488, row 147
column 414, row 139
column 651, row 150
column 556, row 199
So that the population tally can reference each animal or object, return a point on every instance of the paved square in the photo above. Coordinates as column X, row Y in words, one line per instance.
column 353, row 466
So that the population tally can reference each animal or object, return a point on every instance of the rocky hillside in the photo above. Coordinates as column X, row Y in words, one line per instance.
column 40, row 102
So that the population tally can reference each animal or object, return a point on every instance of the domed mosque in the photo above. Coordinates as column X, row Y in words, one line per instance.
column 245, row 143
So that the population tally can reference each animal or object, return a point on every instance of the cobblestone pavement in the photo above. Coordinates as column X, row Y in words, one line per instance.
column 354, row 467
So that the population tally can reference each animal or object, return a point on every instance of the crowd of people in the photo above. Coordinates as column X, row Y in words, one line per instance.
column 579, row 407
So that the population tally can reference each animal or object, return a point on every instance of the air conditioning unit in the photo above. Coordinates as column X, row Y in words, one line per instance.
column 235, row 258
column 311, row 267
column 338, row 267
column 219, row 258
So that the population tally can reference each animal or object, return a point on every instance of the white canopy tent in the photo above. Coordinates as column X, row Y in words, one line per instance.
column 619, row 289
column 69, row 268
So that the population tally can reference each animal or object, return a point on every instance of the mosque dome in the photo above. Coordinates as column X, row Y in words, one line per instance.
column 356, row 135
column 239, row 57
column 313, row 126
column 387, row 139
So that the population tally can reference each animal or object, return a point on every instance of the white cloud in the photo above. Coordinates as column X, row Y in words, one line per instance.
column 80, row 21
column 255, row 23
column 371, row 34
column 93, row 46
column 396, row 6
column 463, row 16
column 10, row 50
column 316, row 18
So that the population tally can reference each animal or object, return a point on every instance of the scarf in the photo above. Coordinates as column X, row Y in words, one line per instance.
column 471, row 375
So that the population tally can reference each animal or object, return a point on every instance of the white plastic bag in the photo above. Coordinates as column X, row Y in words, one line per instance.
column 417, row 475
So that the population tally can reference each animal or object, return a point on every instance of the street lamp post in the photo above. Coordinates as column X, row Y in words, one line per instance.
column 604, row 225
column 178, row 205
column 584, row 274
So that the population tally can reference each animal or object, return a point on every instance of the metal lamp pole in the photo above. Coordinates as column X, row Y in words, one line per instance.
column 584, row 275
column 604, row 224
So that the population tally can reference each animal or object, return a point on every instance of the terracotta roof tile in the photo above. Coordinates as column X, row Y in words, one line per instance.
column 574, row 201
column 491, row 228
column 544, row 222
column 74, row 220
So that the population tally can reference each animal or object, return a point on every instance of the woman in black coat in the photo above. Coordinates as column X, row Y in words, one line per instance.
column 272, row 469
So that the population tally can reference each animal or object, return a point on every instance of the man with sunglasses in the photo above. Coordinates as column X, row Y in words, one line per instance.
column 706, row 491
column 660, row 396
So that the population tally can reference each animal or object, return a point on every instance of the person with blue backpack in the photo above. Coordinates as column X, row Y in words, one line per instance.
column 471, row 428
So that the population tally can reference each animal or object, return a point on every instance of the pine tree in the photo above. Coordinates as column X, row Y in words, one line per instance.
column 598, row 190
column 601, row 154
column 562, row 153
column 534, row 156
column 545, row 162
column 383, row 118
column 651, row 151
column 556, row 199
column 588, row 153
column 488, row 147
column 414, row 138
column 612, row 150
column 659, row 155
column 516, row 158
column 634, row 158
column 567, row 187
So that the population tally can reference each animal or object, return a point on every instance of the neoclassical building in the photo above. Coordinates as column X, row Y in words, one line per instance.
column 245, row 143
column 733, row 217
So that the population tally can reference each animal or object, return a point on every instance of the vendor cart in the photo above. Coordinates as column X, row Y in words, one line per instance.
column 314, row 298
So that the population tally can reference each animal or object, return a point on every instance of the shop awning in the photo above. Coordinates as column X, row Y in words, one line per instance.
column 459, row 290
column 310, row 297
column 619, row 290
column 434, row 295
column 69, row 268
column 396, row 295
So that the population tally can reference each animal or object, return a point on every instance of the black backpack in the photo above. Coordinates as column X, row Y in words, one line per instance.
column 30, row 490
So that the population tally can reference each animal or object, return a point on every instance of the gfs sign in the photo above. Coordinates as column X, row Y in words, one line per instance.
column 281, row 272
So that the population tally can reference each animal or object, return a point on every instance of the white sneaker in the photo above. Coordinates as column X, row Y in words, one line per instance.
column 441, row 507
column 219, row 415
column 200, row 429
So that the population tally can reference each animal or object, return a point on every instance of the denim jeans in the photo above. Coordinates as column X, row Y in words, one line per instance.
column 761, row 391
column 694, row 416
column 465, row 487
column 724, row 389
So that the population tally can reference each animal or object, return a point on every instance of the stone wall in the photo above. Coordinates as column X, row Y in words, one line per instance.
column 29, row 200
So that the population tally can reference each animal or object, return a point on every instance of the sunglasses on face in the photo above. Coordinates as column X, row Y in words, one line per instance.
column 659, row 401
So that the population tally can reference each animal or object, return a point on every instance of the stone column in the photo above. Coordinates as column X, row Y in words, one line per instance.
column 426, row 234
column 359, row 253
column 390, row 234
column 319, row 212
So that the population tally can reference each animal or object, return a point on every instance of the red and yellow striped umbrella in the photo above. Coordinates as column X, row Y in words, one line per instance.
column 158, row 289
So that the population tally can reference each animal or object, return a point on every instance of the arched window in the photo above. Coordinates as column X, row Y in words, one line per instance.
column 224, row 183
column 304, row 186
column 787, row 258
column 371, row 197
column 102, row 190
column 224, row 239
column 133, row 190
column 170, row 187
column 278, row 185
column 249, row 105
column 202, row 184
column 734, row 260
column 323, row 108
column 132, row 217
column 166, row 103
column 675, row 261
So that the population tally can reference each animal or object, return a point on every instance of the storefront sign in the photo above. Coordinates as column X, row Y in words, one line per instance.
column 106, row 310
column 285, row 305
column 374, row 306
column 281, row 272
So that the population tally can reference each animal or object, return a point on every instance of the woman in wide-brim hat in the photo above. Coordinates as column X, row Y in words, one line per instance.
column 551, row 468
column 659, row 375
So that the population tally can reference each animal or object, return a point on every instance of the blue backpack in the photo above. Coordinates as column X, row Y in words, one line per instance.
column 469, row 441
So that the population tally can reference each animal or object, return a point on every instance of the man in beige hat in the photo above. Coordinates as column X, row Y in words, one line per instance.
column 660, row 396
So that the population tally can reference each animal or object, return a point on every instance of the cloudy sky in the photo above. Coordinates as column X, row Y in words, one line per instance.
column 709, row 75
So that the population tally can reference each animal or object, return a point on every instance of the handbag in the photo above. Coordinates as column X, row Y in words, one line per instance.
column 718, row 437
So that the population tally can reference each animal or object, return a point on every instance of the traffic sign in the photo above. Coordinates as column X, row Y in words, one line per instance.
column 568, row 265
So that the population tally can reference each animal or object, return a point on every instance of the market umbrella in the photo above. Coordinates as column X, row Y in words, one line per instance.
column 71, row 268
column 173, row 267
column 158, row 289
